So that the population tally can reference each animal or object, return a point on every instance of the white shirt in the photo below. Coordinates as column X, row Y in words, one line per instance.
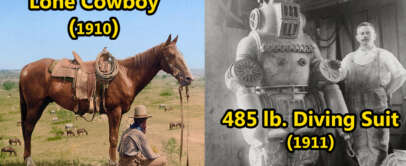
column 392, row 68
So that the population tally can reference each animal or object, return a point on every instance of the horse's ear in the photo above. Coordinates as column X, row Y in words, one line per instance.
column 176, row 39
column 168, row 41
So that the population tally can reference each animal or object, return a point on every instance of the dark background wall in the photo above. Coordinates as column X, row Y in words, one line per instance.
column 222, row 144
column 389, row 18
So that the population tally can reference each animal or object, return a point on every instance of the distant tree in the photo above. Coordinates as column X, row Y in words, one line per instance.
column 8, row 85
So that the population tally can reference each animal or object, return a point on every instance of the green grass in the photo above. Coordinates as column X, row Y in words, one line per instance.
column 57, row 132
column 50, row 163
column 147, row 87
column 1, row 118
column 166, row 92
column 172, row 149
column 62, row 122
column 64, row 115
column 50, row 148
column 55, row 138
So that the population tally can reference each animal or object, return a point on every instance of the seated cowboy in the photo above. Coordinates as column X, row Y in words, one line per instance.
column 134, row 149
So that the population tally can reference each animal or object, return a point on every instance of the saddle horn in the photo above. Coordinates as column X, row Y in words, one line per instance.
column 77, row 57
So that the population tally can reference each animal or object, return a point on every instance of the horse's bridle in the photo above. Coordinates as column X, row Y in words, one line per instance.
column 173, row 70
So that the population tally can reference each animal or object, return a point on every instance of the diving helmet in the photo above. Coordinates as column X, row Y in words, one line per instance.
column 281, row 18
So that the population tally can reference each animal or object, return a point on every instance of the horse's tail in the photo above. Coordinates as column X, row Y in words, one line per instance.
column 23, row 104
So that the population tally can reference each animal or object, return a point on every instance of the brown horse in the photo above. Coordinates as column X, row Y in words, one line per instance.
column 15, row 141
column 81, row 131
column 38, row 89
column 70, row 133
column 172, row 125
column 9, row 149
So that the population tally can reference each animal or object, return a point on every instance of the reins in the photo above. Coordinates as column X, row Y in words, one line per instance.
column 183, row 125
column 91, row 120
column 188, row 128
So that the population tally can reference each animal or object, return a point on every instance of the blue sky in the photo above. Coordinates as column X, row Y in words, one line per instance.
column 27, row 36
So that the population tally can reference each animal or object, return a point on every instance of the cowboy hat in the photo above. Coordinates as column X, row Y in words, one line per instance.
column 140, row 111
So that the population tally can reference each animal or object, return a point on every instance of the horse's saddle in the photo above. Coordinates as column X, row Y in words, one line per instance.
column 86, row 75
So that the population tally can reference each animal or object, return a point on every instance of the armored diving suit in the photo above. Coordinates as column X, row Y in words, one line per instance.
column 278, row 66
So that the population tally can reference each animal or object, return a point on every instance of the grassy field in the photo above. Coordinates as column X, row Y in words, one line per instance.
column 50, row 147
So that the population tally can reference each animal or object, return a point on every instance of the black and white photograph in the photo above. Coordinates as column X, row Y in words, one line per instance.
column 344, row 56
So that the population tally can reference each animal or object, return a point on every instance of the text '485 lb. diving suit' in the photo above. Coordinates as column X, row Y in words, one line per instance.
column 278, row 66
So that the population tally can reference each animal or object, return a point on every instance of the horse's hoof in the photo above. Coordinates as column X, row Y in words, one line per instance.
column 29, row 161
column 112, row 163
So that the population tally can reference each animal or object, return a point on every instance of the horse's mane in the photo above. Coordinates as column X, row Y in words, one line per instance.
column 143, row 59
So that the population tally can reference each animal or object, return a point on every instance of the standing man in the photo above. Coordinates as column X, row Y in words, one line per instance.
column 372, row 75
column 134, row 149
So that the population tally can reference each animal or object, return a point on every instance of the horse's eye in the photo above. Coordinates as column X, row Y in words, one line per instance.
column 171, row 56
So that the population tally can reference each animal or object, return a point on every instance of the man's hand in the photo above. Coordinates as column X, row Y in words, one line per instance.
column 334, row 64
column 348, row 142
column 342, row 134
